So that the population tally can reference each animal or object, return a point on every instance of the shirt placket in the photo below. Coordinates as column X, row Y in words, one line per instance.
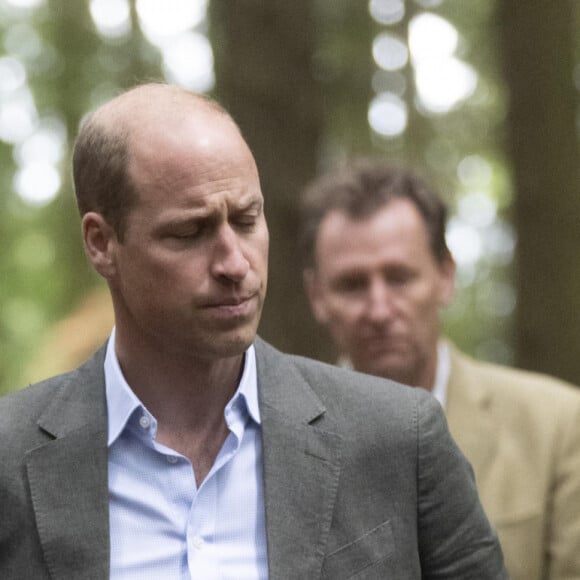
column 201, row 528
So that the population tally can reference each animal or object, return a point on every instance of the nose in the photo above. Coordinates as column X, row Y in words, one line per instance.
column 229, row 261
column 379, row 308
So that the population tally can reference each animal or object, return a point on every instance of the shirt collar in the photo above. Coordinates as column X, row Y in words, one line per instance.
column 122, row 401
column 248, row 388
column 442, row 373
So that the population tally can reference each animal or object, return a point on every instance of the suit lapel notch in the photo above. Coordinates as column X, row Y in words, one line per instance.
column 301, row 472
column 302, row 463
column 68, row 477
column 71, row 504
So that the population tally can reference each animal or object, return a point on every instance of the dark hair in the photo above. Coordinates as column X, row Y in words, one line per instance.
column 100, row 172
column 101, row 153
column 362, row 188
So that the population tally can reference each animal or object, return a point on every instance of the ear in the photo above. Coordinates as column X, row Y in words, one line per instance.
column 447, row 269
column 314, row 294
column 99, row 240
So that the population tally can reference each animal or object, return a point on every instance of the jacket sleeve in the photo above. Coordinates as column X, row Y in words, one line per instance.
column 563, row 544
column 456, row 540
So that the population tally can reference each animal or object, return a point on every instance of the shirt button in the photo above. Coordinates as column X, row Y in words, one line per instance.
column 172, row 458
column 198, row 542
column 145, row 422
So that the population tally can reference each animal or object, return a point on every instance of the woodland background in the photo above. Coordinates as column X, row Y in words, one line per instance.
column 481, row 96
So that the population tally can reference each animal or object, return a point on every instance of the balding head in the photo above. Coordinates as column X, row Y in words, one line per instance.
column 103, row 147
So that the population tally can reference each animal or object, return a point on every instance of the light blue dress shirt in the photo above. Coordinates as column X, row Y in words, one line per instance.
column 162, row 527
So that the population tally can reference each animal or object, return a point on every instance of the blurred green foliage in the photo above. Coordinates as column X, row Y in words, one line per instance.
column 69, row 67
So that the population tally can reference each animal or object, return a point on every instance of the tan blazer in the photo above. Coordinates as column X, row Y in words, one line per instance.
column 521, row 432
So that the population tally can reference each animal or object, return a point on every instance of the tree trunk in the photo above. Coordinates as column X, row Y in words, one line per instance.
column 538, row 58
column 263, row 53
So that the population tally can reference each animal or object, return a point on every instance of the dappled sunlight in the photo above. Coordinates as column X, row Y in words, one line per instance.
column 474, row 171
column 432, row 37
column 443, row 85
column 390, row 52
column 464, row 241
column 12, row 73
column 188, row 61
column 25, row 3
column 47, row 143
column 433, row 101
column 111, row 17
column 387, row 11
column 443, row 81
column 170, row 17
column 37, row 183
column 18, row 116
column 37, row 180
column 388, row 115
column 477, row 209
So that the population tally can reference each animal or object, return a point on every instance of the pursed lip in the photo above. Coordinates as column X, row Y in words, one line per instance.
column 233, row 307
column 231, row 301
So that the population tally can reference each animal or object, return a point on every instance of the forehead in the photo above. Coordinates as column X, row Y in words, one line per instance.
column 193, row 162
column 396, row 232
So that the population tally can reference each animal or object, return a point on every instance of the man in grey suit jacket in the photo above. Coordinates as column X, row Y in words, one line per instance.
column 187, row 447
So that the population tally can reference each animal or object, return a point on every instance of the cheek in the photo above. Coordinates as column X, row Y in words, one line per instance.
column 426, row 316
column 344, row 313
column 258, row 254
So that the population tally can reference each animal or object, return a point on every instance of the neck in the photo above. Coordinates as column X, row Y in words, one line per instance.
column 182, row 392
column 418, row 375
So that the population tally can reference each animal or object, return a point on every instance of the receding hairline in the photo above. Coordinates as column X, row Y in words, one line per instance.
column 132, row 110
column 105, row 142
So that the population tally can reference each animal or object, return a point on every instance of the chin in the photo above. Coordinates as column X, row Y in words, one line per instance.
column 231, row 345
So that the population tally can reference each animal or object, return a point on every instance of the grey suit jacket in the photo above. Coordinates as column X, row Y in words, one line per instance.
column 361, row 479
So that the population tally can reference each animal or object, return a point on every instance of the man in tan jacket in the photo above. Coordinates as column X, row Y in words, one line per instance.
column 377, row 274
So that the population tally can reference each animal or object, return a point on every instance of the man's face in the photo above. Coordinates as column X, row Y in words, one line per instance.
column 378, row 288
column 191, row 272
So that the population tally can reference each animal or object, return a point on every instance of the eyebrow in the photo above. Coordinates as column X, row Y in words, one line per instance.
column 204, row 214
column 254, row 203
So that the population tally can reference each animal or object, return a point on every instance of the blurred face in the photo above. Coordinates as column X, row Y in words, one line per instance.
column 190, row 274
column 378, row 289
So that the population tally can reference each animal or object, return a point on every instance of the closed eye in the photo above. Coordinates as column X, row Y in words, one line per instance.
column 350, row 285
column 187, row 234
column 399, row 276
column 246, row 221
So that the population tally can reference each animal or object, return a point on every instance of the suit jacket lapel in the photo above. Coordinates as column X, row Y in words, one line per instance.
column 68, row 477
column 301, row 468
column 467, row 411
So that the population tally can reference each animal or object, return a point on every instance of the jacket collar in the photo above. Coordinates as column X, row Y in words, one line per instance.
column 301, row 465
column 301, row 461
column 68, row 476
column 468, row 411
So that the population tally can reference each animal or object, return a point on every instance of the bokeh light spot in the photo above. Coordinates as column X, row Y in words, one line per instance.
column 111, row 17
column 188, row 62
column 389, row 52
column 37, row 183
column 387, row 115
column 170, row 17
column 387, row 11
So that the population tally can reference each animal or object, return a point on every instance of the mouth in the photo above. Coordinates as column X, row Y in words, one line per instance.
column 230, row 301
column 233, row 306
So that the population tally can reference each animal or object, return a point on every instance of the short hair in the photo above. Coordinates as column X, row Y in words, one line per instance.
column 101, row 153
column 100, row 173
column 361, row 189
